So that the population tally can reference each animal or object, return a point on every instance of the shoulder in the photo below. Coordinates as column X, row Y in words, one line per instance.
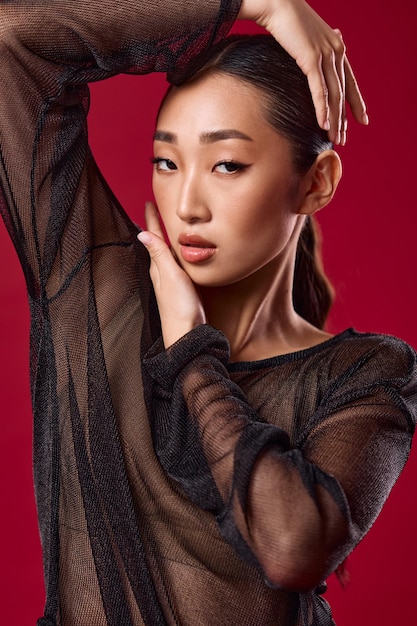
column 374, row 365
column 389, row 357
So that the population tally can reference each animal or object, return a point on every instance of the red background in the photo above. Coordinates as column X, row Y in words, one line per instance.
column 369, row 250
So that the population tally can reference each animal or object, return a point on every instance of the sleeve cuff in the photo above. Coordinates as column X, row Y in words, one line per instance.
column 164, row 366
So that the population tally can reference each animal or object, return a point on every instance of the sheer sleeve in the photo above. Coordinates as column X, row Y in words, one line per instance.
column 89, row 291
column 49, row 51
column 293, row 509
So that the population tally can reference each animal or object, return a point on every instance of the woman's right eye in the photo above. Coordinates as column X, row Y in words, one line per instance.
column 163, row 165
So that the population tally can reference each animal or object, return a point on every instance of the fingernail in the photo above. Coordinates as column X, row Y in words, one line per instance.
column 144, row 237
column 326, row 125
column 365, row 119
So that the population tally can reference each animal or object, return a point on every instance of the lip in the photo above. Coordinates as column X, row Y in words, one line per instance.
column 195, row 249
column 195, row 241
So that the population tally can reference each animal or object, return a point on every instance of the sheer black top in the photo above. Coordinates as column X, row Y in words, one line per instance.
column 173, row 487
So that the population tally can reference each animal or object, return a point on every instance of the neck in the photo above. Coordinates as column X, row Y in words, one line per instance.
column 257, row 314
column 254, row 313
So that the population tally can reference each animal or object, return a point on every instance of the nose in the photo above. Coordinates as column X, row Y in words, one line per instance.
column 192, row 205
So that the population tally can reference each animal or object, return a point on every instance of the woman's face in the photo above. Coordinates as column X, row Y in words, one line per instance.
column 223, row 181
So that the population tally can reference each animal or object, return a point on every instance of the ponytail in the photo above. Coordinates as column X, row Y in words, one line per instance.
column 312, row 292
column 260, row 61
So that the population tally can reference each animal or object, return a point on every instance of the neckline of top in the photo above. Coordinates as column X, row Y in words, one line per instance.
column 235, row 366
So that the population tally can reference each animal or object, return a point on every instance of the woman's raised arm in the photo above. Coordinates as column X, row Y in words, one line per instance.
column 320, row 53
column 49, row 51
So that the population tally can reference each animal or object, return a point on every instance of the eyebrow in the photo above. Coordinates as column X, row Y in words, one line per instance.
column 205, row 138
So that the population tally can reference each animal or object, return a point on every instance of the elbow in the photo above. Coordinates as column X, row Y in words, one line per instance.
column 301, row 566
column 299, row 576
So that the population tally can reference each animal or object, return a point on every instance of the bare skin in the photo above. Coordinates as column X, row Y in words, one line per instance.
column 320, row 53
column 239, row 194
column 255, row 310
column 233, row 209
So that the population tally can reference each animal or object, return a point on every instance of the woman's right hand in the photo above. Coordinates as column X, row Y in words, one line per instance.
column 180, row 308
column 320, row 53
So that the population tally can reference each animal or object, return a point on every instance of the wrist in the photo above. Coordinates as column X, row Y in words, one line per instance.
column 249, row 10
column 257, row 10
column 172, row 335
column 173, row 332
column 261, row 11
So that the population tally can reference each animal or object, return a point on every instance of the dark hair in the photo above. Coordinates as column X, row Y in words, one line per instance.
column 260, row 61
column 312, row 291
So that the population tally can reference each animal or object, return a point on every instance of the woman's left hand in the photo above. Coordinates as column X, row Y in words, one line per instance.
column 320, row 52
column 180, row 308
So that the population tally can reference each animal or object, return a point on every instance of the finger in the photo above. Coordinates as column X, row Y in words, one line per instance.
column 153, row 223
column 335, row 97
column 343, row 137
column 354, row 96
column 154, row 244
column 340, row 68
column 334, row 73
column 320, row 95
column 160, row 257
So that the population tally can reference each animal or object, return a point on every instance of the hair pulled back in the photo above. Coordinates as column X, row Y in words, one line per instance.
column 260, row 61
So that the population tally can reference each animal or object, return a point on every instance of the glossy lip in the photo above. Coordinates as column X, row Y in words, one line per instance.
column 195, row 249
column 194, row 241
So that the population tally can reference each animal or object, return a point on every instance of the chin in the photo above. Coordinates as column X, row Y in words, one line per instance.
column 212, row 282
column 207, row 276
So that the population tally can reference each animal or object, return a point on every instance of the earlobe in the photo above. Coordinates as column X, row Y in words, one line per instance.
column 321, row 182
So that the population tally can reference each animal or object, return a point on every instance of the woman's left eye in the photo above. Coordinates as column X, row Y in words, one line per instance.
column 228, row 167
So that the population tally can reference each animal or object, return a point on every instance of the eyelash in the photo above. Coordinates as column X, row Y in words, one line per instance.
column 157, row 160
column 236, row 165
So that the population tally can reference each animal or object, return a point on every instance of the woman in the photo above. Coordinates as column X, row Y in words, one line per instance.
column 244, row 198
column 122, row 542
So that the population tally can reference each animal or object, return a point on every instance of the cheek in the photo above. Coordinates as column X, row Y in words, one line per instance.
column 163, row 199
column 262, row 211
column 157, row 188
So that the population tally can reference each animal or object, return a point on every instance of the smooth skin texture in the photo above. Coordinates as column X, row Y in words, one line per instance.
column 224, row 180
column 320, row 53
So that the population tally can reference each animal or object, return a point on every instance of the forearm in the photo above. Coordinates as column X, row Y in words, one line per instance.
column 294, row 511
column 49, row 50
column 271, row 505
column 114, row 36
column 293, row 518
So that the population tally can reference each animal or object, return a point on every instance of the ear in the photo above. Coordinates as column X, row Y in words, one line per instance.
column 321, row 182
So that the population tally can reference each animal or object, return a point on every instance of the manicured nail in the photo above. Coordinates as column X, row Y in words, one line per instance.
column 144, row 237
column 335, row 138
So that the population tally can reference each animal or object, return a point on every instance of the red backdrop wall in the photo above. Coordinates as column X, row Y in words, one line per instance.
column 369, row 249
